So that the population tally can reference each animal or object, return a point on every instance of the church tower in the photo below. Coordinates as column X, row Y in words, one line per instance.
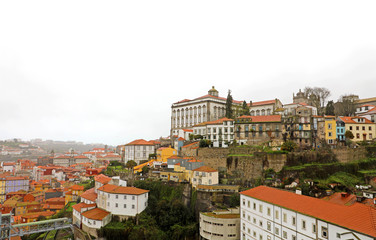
column 213, row 92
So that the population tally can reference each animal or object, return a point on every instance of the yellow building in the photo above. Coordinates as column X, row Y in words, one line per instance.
column 165, row 152
column 74, row 192
column 362, row 128
column 2, row 190
column 330, row 129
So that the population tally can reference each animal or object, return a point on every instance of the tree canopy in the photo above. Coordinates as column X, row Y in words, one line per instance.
column 245, row 109
column 229, row 112
column 329, row 110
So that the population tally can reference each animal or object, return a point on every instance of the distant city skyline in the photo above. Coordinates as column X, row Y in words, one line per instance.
column 109, row 72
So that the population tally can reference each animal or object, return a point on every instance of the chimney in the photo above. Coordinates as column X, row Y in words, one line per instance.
column 250, row 103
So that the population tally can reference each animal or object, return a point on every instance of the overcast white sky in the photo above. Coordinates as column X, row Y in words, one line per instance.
column 108, row 71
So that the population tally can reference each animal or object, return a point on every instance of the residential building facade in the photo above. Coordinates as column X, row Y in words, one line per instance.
column 138, row 150
column 362, row 128
column 220, row 132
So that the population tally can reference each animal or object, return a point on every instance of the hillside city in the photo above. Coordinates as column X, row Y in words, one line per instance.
column 228, row 169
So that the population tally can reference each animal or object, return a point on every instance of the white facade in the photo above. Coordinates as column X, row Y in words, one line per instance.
column 204, row 178
column 220, row 225
column 264, row 221
column 138, row 153
column 221, row 134
column 187, row 113
column 122, row 204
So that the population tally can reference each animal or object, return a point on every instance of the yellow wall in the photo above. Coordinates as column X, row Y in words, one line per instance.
column 164, row 153
column 358, row 134
column 330, row 130
column 2, row 191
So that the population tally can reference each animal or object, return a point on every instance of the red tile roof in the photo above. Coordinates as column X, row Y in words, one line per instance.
column 209, row 96
column 350, row 120
column 267, row 118
column 90, row 195
column 139, row 142
column 81, row 157
column 109, row 188
column 102, row 179
column 181, row 139
column 205, row 169
column 194, row 160
column 187, row 130
column 267, row 102
column 219, row 121
column 191, row 144
column 95, row 214
column 358, row 217
column 77, row 188
column 81, row 205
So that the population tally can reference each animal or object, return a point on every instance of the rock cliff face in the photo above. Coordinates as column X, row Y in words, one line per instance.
column 248, row 162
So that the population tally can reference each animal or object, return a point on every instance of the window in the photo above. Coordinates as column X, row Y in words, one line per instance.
column 324, row 232
column 370, row 128
column 244, row 202
column 260, row 208
column 363, row 128
column 254, row 220
column 260, row 237
column 269, row 226
column 370, row 136
column 314, row 228
column 303, row 224
column 117, row 196
column 293, row 221
column 260, row 223
column 284, row 234
column 133, row 197
column 338, row 235
column 116, row 205
column 249, row 204
column 329, row 126
column 357, row 127
column 132, row 206
column 108, row 204
column 276, row 214
column 243, row 226
column 254, row 206
column 358, row 135
column 249, row 218
column 268, row 211
column 329, row 134
column 293, row 237
column 125, row 205
column 350, row 128
column 276, row 230
column 284, row 217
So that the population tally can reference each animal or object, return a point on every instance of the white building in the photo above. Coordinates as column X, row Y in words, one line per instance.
column 122, row 201
column 368, row 111
column 204, row 176
column 220, row 224
column 94, row 219
column 268, row 213
column 220, row 132
column 138, row 150
column 263, row 108
column 187, row 113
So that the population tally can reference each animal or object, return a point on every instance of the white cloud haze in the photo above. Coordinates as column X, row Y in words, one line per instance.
column 108, row 71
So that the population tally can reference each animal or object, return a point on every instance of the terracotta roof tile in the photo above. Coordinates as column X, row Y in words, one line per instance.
column 109, row 188
column 102, row 179
column 90, row 195
column 139, row 142
column 81, row 205
column 191, row 144
column 95, row 214
column 357, row 217
column 350, row 120
column 267, row 102
column 205, row 169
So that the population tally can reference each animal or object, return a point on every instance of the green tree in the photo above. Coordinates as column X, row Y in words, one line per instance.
column 288, row 146
column 245, row 109
column 145, row 169
column 204, row 143
column 349, row 134
column 329, row 110
column 229, row 113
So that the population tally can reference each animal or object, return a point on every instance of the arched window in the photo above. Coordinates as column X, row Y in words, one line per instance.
column 268, row 112
column 263, row 112
column 252, row 113
column 257, row 112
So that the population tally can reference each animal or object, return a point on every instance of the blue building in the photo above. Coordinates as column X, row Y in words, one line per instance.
column 341, row 130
